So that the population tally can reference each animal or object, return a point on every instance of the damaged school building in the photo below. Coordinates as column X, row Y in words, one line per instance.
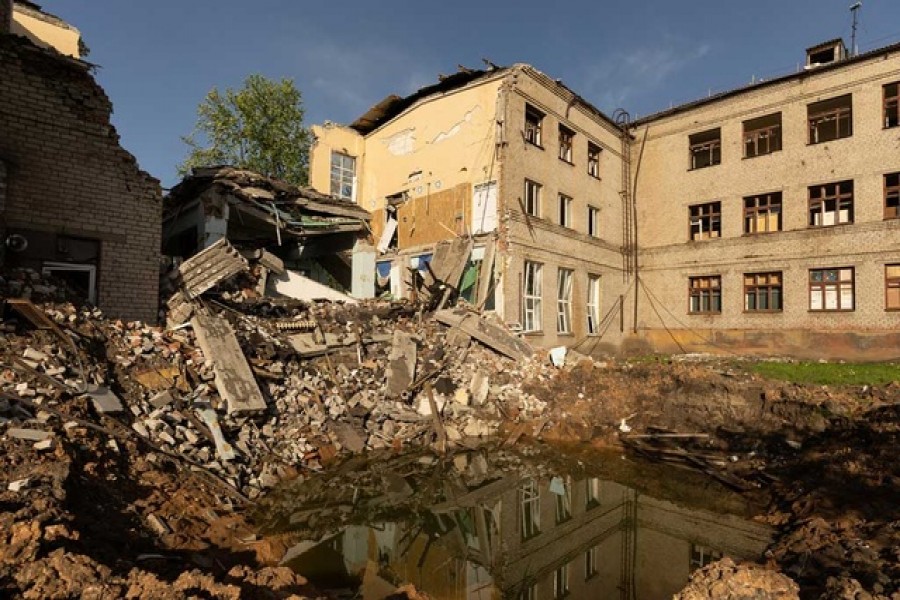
column 73, row 202
column 760, row 220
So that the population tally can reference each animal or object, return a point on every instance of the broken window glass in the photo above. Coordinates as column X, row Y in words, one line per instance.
column 762, row 292
column 892, row 105
column 593, row 161
column 593, row 304
column 532, row 297
column 706, row 148
column 831, row 289
column 529, row 509
column 564, row 301
column 762, row 213
column 830, row 119
column 705, row 221
column 566, row 139
column 705, row 295
column 831, row 204
column 762, row 135
column 892, row 196
column 343, row 176
column 533, row 124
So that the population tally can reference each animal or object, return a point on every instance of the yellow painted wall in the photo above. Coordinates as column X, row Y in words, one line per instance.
column 43, row 32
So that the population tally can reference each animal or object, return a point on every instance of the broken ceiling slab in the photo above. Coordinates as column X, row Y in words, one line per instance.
column 105, row 401
column 296, row 286
column 209, row 267
column 492, row 335
column 233, row 377
column 401, row 364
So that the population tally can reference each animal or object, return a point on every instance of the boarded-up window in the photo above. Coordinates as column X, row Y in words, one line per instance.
column 705, row 221
column 892, row 287
column 762, row 292
column 831, row 204
column 705, row 295
column 831, row 289
column 762, row 213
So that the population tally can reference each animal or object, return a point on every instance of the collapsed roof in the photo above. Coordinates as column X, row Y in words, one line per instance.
column 291, row 210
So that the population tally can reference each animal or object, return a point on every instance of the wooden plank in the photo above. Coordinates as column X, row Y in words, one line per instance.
column 493, row 336
column 234, row 379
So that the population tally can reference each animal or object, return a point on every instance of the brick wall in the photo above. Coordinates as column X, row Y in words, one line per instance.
column 68, row 175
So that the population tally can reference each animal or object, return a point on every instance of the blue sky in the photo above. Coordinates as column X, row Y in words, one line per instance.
column 158, row 59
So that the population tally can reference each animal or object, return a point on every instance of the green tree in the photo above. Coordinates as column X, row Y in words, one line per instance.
column 258, row 127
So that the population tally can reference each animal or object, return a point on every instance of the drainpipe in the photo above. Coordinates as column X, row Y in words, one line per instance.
column 6, row 13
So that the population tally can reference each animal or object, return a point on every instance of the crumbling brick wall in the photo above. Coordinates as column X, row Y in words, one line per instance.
column 67, row 175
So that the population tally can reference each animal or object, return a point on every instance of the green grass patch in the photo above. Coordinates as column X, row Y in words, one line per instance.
column 830, row 373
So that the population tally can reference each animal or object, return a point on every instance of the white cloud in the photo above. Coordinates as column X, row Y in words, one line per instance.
column 619, row 77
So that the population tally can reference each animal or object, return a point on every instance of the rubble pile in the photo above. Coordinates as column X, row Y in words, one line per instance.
column 318, row 379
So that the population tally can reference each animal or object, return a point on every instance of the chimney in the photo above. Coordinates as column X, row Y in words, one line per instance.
column 6, row 15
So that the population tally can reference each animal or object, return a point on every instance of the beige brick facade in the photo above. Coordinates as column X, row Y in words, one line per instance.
column 70, row 184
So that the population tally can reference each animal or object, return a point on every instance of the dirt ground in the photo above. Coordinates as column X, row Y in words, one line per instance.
column 100, row 517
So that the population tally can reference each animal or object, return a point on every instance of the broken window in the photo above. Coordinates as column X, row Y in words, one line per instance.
column 532, row 198
column 830, row 119
column 702, row 556
column 565, row 210
column 762, row 213
column 532, row 297
column 705, row 221
column 706, row 148
column 343, row 176
column 831, row 204
column 593, row 221
column 529, row 509
column 892, row 195
column 566, row 139
column 564, row 301
column 892, row 105
column 892, row 287
column 593, row 161
column 590, row 561
column 533, row 123
column 762, row 135
column 705, row 295
column 762, row 292
column 592, row 492
column 81, row 279
column 831, row 289
column 593, row 304
column 561, row 582
column 564, row 503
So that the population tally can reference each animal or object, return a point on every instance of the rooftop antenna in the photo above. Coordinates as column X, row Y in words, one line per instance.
column 854, row 9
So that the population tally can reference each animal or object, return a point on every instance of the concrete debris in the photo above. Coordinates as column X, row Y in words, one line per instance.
column 492, row 335
column 105, row 401
column 296, row 286
column 18, row 485
column 30, row 435
column 209, row 267
column 401, row 364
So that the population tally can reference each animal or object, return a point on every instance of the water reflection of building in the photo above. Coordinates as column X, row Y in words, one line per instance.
column 545, row 539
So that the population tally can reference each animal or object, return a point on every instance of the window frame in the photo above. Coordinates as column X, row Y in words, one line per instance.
column 891, row 105
column 564, row 279
column 591, row 568
column 698, row 145
column 838, row 114
column 534, row 126
column 591, row 493
column 561, row 582
column 773, row 206
column 593, row 160
column 593, row 221
column 564, row 212
column 532, row 202
column 837, row 284
column 566, row 145
column 530, row 506
column 339, row 175
column 764, row 286
column 709, row 292
column 593, row 304
column 891, row 282
column 842, row 196
column 713, row 215
column 891, row 194
column 769, row 133
column 564, row 503
column 532, row 297
column 701, row 555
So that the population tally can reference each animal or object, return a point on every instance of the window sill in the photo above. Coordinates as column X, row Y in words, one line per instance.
column 831, row 310
column 706, row 239
column 764, row 312
column 568, row 162
column 534, row 145
column 705, row 314
column 534, row 333
column 894, row 218
column 760, row 155
column 703, row 167
column 565, row 334
column 893, row 310
column 832, row 140
column 886, row 127
column 597, row 177
column 593, row 575
column 754, row 233
column 829, row 226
